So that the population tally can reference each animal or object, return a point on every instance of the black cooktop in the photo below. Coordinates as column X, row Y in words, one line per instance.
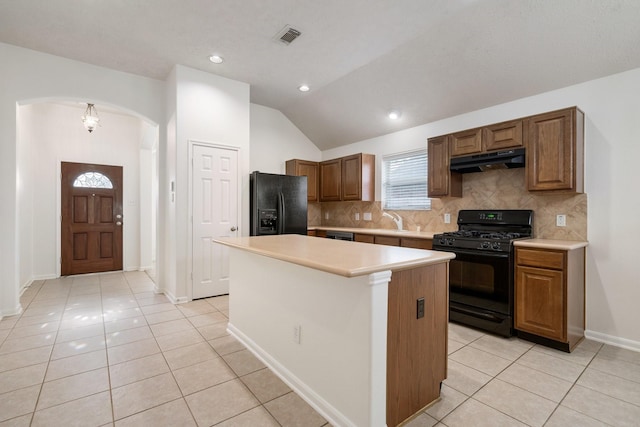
column 487, row 230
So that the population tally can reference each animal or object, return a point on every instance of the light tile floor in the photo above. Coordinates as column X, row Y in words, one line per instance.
column 105, row 350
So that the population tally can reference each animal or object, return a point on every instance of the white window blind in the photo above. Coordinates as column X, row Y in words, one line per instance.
column 404, row 181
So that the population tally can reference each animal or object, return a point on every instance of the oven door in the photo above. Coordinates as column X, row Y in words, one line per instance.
column 480, row 289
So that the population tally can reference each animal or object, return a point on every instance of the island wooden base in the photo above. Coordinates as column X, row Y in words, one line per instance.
column 416, row 347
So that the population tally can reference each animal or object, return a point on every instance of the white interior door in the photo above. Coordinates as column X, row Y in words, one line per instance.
column 215, row 214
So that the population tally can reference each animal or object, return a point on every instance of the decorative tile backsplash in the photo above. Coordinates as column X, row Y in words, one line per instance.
column 499, row 189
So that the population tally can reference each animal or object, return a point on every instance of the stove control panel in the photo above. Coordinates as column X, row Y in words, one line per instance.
column 474, row 244
column 490, row 216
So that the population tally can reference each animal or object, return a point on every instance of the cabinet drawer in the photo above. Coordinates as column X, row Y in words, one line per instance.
column 409, row 242
column 540, row 258
column 364, row 238
column 386, row 240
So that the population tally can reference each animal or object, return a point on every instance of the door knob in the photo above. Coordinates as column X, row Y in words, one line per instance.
column 118, row 223
column 118, row 216
column 233, row 228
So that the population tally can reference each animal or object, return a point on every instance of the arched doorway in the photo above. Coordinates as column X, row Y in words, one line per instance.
column 51, row 132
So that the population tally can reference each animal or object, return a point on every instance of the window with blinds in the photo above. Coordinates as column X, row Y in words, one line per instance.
column 404, row 181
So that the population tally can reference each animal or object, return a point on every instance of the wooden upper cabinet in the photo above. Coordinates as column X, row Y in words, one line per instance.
column 502, row 135
column 310, row 170
column 441, row 182
column 348, row 178
column 358, row 177
column 555, row 151
column 331, row 180
column 466, row 142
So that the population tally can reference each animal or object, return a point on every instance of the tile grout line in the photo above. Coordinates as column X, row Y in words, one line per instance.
column 35, row 407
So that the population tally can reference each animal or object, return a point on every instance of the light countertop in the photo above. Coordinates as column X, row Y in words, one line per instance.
column 565, row 245
column 380, row 231
column 340, row 257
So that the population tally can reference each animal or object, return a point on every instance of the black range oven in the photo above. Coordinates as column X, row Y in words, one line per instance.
column 481, row 276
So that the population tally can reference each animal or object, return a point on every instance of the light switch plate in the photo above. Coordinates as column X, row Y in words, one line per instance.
column 447, row 218
column 326, row 215
column 367, row 216
column 357, row 215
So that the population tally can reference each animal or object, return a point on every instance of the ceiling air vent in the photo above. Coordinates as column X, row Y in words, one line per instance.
column 287, row 35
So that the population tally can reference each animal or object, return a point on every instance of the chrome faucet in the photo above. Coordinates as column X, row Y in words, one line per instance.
column 395, row 217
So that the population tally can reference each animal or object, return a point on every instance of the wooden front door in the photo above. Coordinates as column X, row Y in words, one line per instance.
column 91, row 218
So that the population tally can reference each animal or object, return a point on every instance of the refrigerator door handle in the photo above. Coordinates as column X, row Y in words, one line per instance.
column 281, row 213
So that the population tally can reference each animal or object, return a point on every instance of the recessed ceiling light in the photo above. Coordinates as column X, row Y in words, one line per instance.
column 394, row 115
column 303, row 88
column 216, row 59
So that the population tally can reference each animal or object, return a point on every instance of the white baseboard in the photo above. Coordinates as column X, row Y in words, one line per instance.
column 13, row 312
column 330, row 413
column 44, row 277
column 24, row 287
column 172, row 298
column 613, row 340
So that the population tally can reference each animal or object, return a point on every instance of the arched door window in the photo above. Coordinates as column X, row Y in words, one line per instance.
column 92, row 180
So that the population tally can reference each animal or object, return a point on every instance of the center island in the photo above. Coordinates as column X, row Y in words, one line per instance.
column 358, row 330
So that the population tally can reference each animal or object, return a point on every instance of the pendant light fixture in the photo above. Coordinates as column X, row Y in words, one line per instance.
column 90, row 118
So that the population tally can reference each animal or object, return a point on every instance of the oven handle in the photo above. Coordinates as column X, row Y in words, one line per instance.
column 481, row 253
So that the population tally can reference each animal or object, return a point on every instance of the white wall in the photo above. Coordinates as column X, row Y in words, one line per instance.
column 612, row 138
column 274, row 140
column 56, row 134
column 211, row 109
column 27, row 180
column 28, row 76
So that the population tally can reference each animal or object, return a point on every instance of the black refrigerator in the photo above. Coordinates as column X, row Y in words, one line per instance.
column 278, row 204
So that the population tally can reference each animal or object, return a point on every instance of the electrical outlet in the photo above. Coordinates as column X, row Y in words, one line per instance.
column 326, row 215
column 447, row 218
column 561, row 220
column 420, row 308
column 367, row 216
column 297, row 332
column 357, row 215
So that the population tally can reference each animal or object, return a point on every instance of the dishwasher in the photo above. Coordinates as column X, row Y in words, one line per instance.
column 340, row 235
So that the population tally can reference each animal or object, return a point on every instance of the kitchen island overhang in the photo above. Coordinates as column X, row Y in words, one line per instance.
column 318, row 312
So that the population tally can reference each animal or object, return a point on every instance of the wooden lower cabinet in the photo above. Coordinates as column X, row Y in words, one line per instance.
column 540, row 302
column 364, row 238
column 387, row 240
column 416, row 346
column 549, row 296
column 416, row 243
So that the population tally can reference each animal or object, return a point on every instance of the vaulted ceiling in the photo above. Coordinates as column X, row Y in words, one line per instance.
column 429, row 59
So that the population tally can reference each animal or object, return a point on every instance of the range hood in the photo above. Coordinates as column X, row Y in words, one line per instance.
column 506, row 159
